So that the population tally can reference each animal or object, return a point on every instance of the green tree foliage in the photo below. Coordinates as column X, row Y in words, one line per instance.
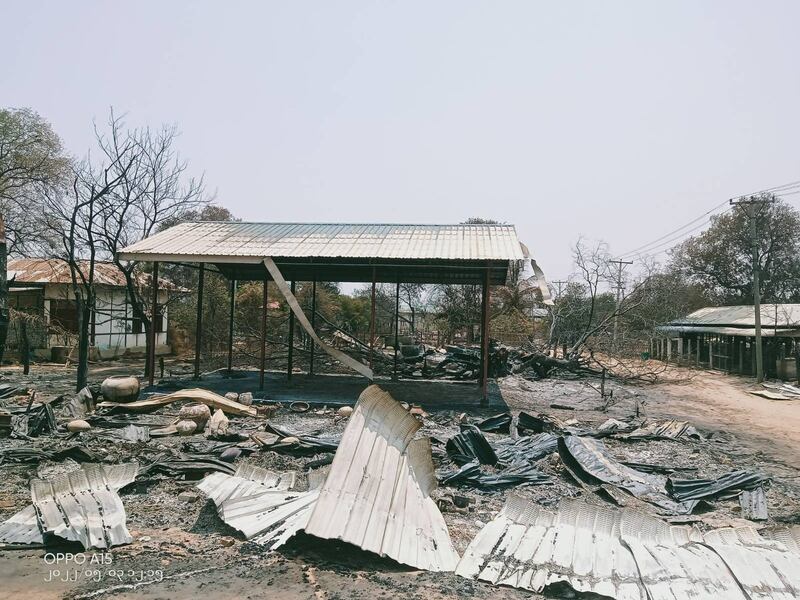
column 719, row 259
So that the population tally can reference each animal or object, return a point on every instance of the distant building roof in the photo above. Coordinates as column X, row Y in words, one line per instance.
column 214, row 239
column 738, row 320
column 57, row 271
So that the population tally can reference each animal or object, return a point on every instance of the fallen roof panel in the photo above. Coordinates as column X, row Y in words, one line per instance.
column 625, row 555
column 81, row 506
column 246, row 481
column 377, row 495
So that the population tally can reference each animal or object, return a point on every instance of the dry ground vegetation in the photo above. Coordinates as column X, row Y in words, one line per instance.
column 177, row 531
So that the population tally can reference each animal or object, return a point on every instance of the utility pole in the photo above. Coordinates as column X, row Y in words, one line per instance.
column 620, row 265
column 750, row 205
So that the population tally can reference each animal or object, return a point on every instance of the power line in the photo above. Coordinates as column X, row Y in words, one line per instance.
column 785, row 189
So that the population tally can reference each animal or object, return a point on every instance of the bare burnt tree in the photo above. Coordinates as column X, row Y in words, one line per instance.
column 70, row 216
column 154, row 190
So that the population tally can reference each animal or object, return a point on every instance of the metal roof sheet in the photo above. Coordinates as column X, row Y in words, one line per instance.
column 785, row 315
column 626, row 555
column 377, row 494
column 57, row 271
column 257, row 502
column 81, row 506
column 734, row 331
column 254, row 241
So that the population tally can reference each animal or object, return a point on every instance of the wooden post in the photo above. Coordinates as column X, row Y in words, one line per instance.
column 231, row 317
column 372, row 320
column 680, row 350
column 151, row 359
column 396, row 326
column 689, row 351
column 313, row 322
column 198, row 332
column 669, row 349
column 263, row 366
column 711, row 353
column 485, row 339
column 699, row 346
column 740, row 343
column 290, row 361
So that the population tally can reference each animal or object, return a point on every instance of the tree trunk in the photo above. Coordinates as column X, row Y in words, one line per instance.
column 24, row 346
column 4, row 318
column 84, row 317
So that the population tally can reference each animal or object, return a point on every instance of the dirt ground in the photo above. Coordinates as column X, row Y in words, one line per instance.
column 182, row 549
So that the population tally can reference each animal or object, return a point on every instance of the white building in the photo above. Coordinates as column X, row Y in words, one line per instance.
column 43, row 287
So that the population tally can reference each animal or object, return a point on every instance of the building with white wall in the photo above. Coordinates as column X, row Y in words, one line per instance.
column 43, row 287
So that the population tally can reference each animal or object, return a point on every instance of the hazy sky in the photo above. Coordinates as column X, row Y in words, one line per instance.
column 612, row 120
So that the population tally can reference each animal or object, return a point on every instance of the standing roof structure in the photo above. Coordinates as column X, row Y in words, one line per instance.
column 340, row 252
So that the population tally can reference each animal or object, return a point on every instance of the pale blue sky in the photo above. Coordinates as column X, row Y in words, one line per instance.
column 613, row 120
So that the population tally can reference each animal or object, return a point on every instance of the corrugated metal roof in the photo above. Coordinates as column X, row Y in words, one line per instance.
column 377, row 494
column 81, row 506
column 257, row 502
column 255, row 241
column 765, row 568
column 788, row 315
column 246, row 481
column 768, row 331
column 54, row 270
column 627, row 555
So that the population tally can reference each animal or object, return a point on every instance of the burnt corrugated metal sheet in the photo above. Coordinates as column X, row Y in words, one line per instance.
column 81, row 506
column 329, row 240
column 765, row 568
column 377, row 495
column 257, row 502
column 589, row 461
column 246, row 481
column 625, row 555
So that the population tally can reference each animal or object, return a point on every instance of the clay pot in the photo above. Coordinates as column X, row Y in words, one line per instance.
column 78, row 425
column 196, row 412
column 120, row 388
column 345, row 411
column 185, row 427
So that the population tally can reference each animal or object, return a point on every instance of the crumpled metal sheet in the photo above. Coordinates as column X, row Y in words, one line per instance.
column 587, row 549
column 765, row 568
column 471, row 475
column 589, row 461
column 246, row 481
column 81, row 506
column 531, row 548
column 754, row 504
column 727, row 485
column 258, row 502
column 671, row 430
column 469, row 445
column 377, row 494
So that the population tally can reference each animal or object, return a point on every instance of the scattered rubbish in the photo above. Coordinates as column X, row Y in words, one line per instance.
column 81, row 506
column 588, row 461
column 120, row 388
column 754, row 504
column 78, row 425
column 210, row 399
column 377, row 494
column 727, row 486
column 5, row 424
column 35, row 455
column 468, row 445
column 295, row 443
